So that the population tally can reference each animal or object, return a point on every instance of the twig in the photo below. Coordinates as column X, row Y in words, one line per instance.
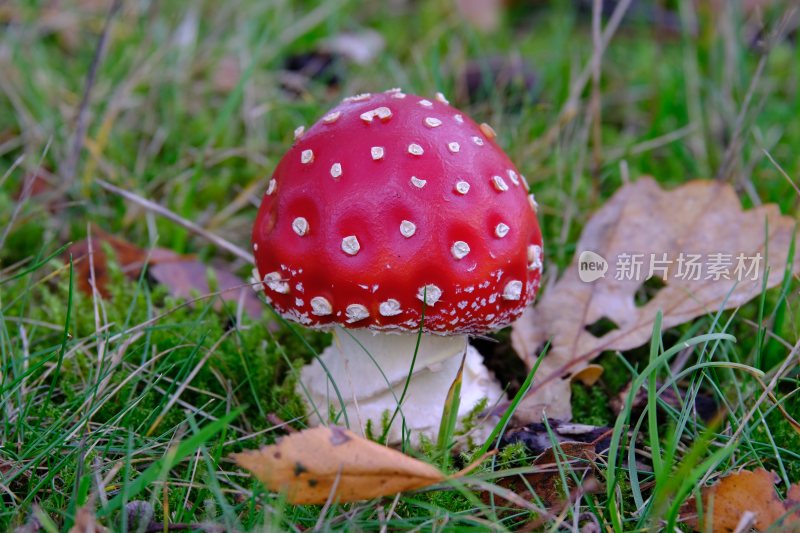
column 570, row 108
column 80, row 121
column 166, row 213
column 734, row 147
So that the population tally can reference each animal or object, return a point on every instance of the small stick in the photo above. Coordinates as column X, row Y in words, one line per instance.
column 80, row 121
column 166, row 213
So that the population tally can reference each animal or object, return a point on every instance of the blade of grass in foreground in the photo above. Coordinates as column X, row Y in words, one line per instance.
column 174, row 455
column 624, row 416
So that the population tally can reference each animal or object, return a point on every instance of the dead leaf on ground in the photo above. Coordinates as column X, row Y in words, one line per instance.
column 183, row 275
column 310, row 465
column 86, row 521
column 748, row 496
column 545, row 480
column 130, row 258
column 186, row 277
column 538, row 437
column 362, row 48
column 701, row 217
column 485, row 15
column 704, row 405
column 512, row 78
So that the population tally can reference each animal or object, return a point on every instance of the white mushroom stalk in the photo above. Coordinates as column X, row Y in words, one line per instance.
column 370, row 370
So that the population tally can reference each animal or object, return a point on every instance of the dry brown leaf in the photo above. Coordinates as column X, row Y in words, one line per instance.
column 311, row 464
column 130, row 258
column 86, row 521
column 484, row 15
column 183, row 275
column 701, row 217
column 746, row 492
column 546, row 481
column 187, row 276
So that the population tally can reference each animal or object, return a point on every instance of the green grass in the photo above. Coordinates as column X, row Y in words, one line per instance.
column 95, row 395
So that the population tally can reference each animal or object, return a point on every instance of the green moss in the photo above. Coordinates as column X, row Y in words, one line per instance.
column 590, row 405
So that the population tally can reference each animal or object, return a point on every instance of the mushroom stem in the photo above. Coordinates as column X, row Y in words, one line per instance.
column 370, row 370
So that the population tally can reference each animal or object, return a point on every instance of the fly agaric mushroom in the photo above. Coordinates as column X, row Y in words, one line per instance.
column 396, row 214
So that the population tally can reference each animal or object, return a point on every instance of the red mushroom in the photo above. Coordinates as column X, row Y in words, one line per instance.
column 391, row 214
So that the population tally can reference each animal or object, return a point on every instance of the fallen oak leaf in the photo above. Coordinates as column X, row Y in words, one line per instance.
column 181, row 274
column 745, row 493
column 700, row 217
column 546, row 480
column 130, row 258
column 186, row 275
column 311, row 464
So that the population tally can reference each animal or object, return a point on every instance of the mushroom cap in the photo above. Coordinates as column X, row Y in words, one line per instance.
column 391, row 199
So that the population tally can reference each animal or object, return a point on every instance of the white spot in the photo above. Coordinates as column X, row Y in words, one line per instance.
column 534, row 257
column 336, row 170
column 499, row 183
column 462, row 304
column 501, row 230
column 299, row 287
column 432, row 122
column 300, row 226
column 454, row 321
column 459, row 119
column 415, row 149
column 441, row 98
column 425, row 103
column 274, row 281
column 512, row 176
column 356, row 312
column 493, row 298
column 377, row 152
column 399, row 95
column 330, row 118
column 390, row 307
column 469, row 289
column 418, row 182
column 429, row 294
column 350, row 245
column 462, row 187
column 255, row 246
column 488, row 131
column 383, row 113
column 533, row 202
column 408, row 228
column 490, row 316
column 357, row 97
column 477, row 140
column 320, row 306
column 512, row 290
column 460, row 249
column 454, row 147
column 299, row 302
column 271, row 187
column 307, row 156
column 524, row 181
column 393, row 90
column 298, row 132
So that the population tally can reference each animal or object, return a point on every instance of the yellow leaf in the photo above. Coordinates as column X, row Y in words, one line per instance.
column 311, row 464
column 748, row 496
